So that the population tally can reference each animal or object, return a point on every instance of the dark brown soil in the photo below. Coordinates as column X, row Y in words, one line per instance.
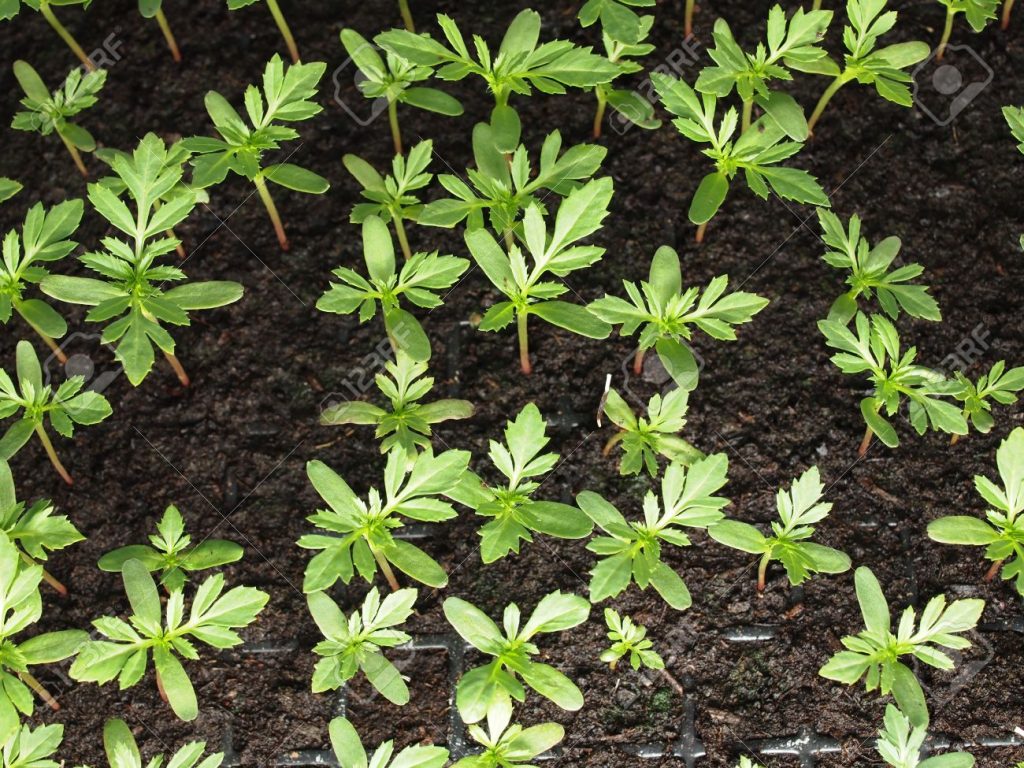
column 230, row 450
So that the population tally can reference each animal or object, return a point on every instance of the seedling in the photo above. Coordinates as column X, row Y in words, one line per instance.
column 688, row 19
column 394, row 79
column 1015, row 119
column 212, row 620
column 798, row 509
column 123, row 752
column 497, row 683
column 355, row 643
column 392, row 197
column 358, row 536
column 8, row 188
column 508, row 746
column 282, row 25
column 756, row 152
column 646, row 438
column 631, row 552
column 977, row 12
column 629, row 638
column 873, row 348
column 791, row 46
column 22, row 607
column 746, row 762
column 419, row 281
column 28, row 748
column 130, row 286
column 47, row 113
column 1007, row 11
column 516, row 515
column 349, row 751
column 501, row 189
column 64, row 407
column 151, row 9
column 1002, row 532
column 618, row 19
column 10, row 8
column 34, row 530
column 286, row 97
column 45, row 237
column 885, row 68
column 999, row 385
column 869, row 273
column 665, row 314
column 900, row 743
column 875, row 652
column 554, row 253
column 170, row 553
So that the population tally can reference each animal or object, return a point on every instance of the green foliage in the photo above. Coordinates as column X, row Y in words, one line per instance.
column 977, row 12
column 999, row 385
column 1002, row 532
column 665, row 314
column 875, row 652
column 45, row 237
column 1015, row 119
column 349, row 751
column 47, row 113
column 420, row 281
column 356, row 643
column 746, row 762
column 358, row 535
column 870, row 275
column 34, row 530
column 900, row 743
column 508, row 746
column 28, row 748
column 170, row 552
column 8, row 188
column 212, row 620
column 123, row 752
column 130, row 286
column 631, row 551
column 798, row 511
column 629, row 638
column 645, row 438
column 618, row 19
column 497, row 683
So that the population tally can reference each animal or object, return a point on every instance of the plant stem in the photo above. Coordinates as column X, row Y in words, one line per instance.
column 161, row 19
column 179, row 248
column 403, row 6
column 47, row 577
column 268, row 203
column 599, row 115
column 700, row 232
column 75, row 155
column 688, row 19
column 954, row 439
column 509, row 239
column 868, row 434
column 612, row 442
column 1007, row 9
column 638, row 361
column 524, row 344
column 826, row 97
column 991, row 574
column 179, row 371
column 396, row 133
column 816, row 5
column 45, row 440
column 57, row 351
column 275, row 11
column 762, row 572
column 402, row 239
column 36, row 686
column 748, row 112
column 67, row 37
column 946, row 33
column 385, row 568
column 160, row 687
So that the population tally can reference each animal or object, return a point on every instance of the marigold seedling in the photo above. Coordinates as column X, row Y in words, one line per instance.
column 394, row 79
column 47, row 113
column 10, row 8
column 419, row 282
column 286, row 97
column 45, row 237
column 665, row 315
column 508, row 746
column 130, row 284
column 875, row 652
column 631, row 552
column 798, row 509
column 212, row 620
column 645, row 438
column 64, row 407
column 171, row 554
column 407, row 426
column 870, row 275
column 33, row 748
column 865, row 63
column 618, row 19
column 900, row 745
column 998, row 385
column 977, row 12
column 282, row 24
column 757, row 152
column 34, row 529
column 356, row 643
column 152, row 9
column 555, row 252
column 8, row 188
column 746, row 762
column 123, row 752
column 512, row 649
column 1002, row 532
column 349, row 751
column 515, row 515
column 629, row 638
column 872, row 347
column 358, row 536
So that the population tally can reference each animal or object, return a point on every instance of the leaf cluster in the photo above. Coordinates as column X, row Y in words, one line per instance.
column 645, row 438
column 349, row 750
column 47, row 113
column 900, row 744
column 629, row 638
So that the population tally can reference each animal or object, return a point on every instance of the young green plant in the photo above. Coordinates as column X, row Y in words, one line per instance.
column 350, row 753
column 282, row 24
column 900, row 744
column 33, row 748
column 509, row 746
column 875, row 652
column 631, row 551
column 123, row 751
column 130, row 286
column 45, row 113
column 64, row 407
column 125, row 653
column 629, row 638
column 10, row 8
column 286, row 97
column 977, row 12
column 645, row 438
column 998, row 385
column 152, row 9
column 512, row 649
column 798, row 509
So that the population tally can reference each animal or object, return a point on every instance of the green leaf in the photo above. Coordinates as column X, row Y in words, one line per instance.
column 295, row 178
column 573, row 318
column 708, row 198
column 872, row 602
column 180, row 693
column 344, row 740
column 737, row 535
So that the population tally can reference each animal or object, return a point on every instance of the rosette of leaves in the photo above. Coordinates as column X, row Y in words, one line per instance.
column 506, row 744
column 10, row 8
column 998, row 385
column 900, row 744
column 123, row 752
column 350, row 753
column 645, row 438
column 629, row 638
